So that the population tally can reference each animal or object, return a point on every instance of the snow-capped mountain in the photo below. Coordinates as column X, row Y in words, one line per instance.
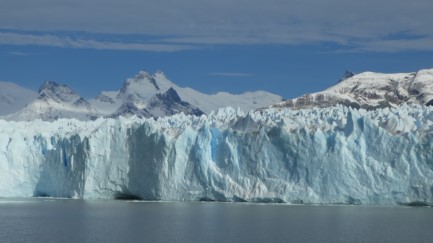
column 129, row 109
column 55, row 101
column 346, row 75
column 169, row 103
column 143, row 91
column 161, row 105
column 14, row 98
column 145, row 95
column 371, row 90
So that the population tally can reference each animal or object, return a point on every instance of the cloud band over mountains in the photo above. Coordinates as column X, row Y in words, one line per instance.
column 379, row 26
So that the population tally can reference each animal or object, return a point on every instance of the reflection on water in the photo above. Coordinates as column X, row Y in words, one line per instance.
column 46, row 220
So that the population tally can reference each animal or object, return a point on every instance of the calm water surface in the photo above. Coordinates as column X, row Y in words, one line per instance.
column 45, row 220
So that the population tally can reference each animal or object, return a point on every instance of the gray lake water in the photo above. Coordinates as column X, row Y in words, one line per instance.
column 46, row 220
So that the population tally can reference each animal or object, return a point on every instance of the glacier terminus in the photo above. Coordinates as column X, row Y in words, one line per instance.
column 318, row 155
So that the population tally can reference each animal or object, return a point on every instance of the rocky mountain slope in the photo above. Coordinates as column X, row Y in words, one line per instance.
column 371, row 90
column 144, row 87
column 55, row 101
column 145, row 95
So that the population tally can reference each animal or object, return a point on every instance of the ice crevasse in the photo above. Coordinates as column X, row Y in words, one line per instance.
column 329, row 155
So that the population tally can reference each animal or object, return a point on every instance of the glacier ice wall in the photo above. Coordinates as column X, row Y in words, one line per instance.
column 331, row 155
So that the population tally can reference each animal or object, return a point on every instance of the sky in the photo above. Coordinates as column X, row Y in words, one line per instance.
column 287, row 47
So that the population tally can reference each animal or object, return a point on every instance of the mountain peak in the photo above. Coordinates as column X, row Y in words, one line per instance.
column 48, row 85
column 142, row 74
column 346, row 75
column 58, row 92
column 55, row 101
column 144, row 85
column 370, row 90
column 169, row 103
column 144, row 95
column 170, row 95
column 160, row 74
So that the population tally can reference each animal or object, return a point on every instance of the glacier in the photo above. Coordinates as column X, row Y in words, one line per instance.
column 327, row 155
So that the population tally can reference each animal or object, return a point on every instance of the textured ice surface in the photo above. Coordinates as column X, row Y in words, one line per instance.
column 331, row 155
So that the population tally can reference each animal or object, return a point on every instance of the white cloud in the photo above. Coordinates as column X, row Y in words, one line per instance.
column 19, row 53
column 349, row 23
column 418, row 44
column 9, row 38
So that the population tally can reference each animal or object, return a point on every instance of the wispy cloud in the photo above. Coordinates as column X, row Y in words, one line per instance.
column 190, row 23
column 231, row 74
column 396, row 45
column 10, row 38
column 19, row 53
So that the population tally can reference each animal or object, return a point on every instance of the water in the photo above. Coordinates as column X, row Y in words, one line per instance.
column 42, row 220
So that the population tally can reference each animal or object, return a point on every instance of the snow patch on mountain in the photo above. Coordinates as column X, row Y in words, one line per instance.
column 144, row 95
column 169, row 103
column 55, row 101
column 14, row 97
column 371, row 90
column 144, row 87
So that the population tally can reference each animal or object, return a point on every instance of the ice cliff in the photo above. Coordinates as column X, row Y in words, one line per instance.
column 329, row 155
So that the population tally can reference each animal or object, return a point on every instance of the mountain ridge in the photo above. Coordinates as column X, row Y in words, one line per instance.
column 55, row 101
column 144, row 95
column 371, row 90
column 154, row 95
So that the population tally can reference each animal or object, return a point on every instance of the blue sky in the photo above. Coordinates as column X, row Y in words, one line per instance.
column 288, row 47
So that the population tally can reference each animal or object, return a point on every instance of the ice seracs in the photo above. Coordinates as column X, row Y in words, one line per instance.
column 329, row 155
